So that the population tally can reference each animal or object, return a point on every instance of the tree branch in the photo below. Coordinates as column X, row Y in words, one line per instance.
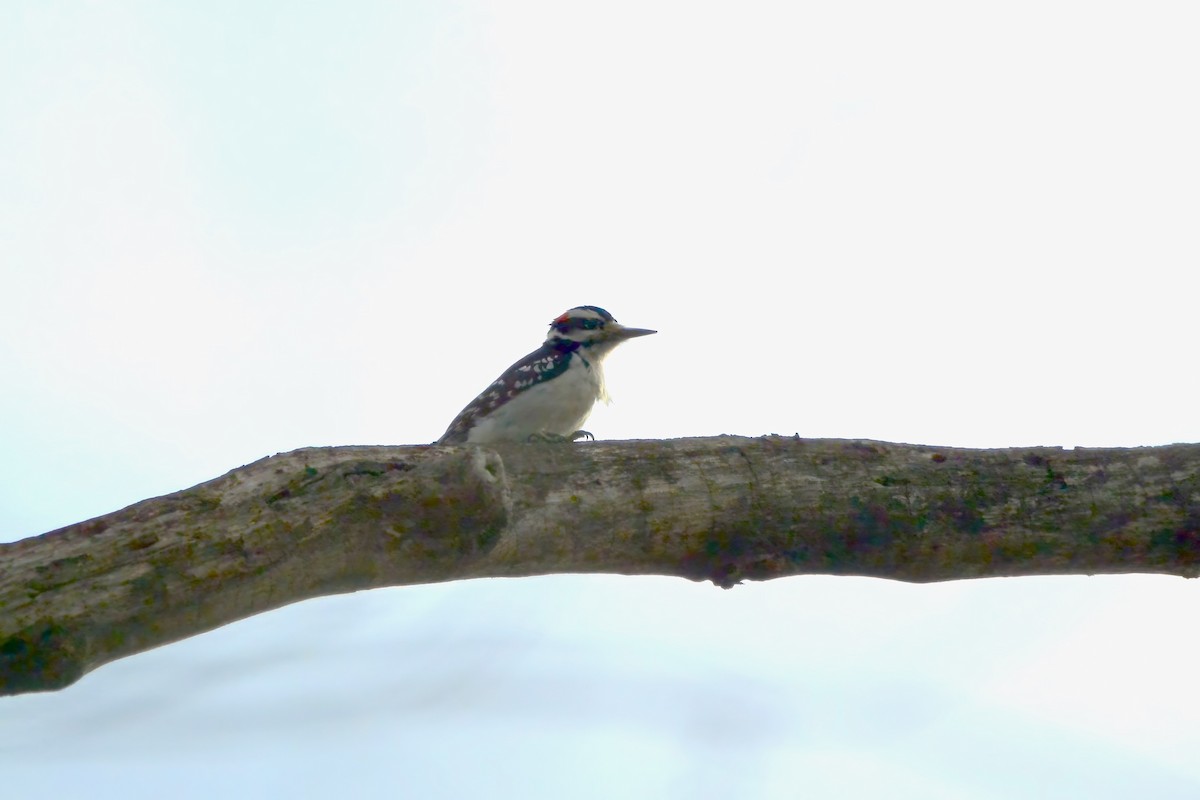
column 322, row 521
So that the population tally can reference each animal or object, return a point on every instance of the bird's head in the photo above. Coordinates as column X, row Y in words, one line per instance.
column 590, row 327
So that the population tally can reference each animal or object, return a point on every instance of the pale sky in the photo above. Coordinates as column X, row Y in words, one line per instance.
column 229, row 230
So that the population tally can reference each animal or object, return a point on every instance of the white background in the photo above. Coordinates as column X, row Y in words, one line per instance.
column 230, row 229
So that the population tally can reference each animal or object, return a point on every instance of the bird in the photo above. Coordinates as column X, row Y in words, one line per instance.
column 548, row 394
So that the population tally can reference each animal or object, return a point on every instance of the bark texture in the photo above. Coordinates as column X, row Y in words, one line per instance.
column 327, row 520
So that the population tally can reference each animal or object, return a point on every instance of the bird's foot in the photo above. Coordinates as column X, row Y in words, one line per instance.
column 559, row 438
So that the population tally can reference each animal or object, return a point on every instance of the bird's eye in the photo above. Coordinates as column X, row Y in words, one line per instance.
column 589, row 324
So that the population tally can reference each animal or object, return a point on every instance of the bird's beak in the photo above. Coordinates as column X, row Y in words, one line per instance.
column 620, row 333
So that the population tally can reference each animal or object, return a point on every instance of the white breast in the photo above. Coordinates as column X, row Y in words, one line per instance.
column 559, row 406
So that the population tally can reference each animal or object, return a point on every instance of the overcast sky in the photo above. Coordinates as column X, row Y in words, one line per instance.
column 230, row 229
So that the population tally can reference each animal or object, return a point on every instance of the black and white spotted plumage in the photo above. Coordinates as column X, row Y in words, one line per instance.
column 550, row 392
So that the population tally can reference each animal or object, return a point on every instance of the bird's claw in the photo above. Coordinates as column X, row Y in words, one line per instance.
column 558, row 437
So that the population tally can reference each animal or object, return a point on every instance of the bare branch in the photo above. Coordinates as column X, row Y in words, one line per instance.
column 323, row 521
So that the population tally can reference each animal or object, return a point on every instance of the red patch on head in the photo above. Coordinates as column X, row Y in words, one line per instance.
column 561, row 319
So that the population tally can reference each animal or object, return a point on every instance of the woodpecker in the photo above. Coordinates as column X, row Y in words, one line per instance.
column 548, row 394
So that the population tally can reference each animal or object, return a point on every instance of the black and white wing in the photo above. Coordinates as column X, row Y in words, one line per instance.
column 547, row 362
